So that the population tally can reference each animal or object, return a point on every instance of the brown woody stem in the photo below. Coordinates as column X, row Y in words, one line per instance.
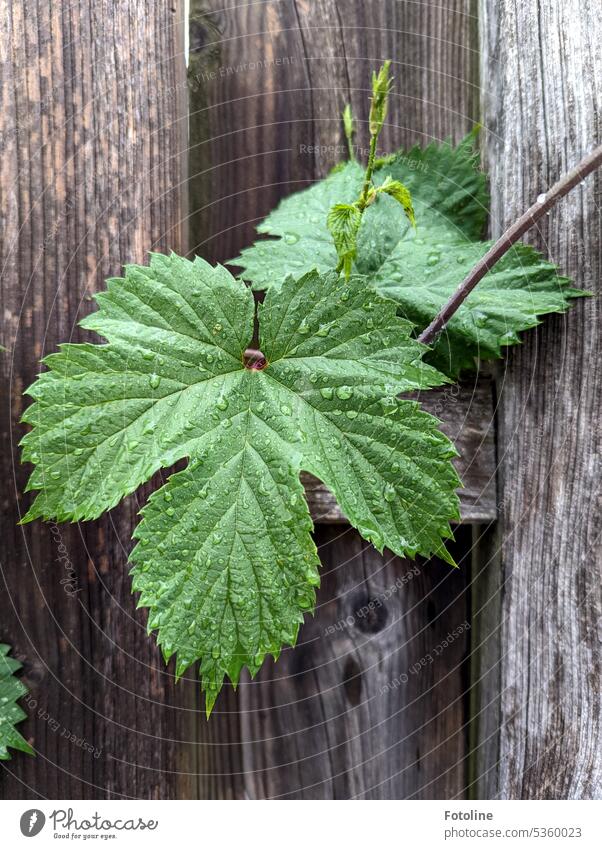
column 544, row 203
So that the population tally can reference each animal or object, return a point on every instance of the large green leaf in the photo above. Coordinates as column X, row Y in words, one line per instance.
column 225, row 559
column 11, row 689
column 418, row 269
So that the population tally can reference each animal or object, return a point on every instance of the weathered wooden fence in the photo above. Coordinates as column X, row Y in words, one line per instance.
column 109, row 150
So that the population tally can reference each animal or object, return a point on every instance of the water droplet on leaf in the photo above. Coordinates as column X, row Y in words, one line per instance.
column 344, row 392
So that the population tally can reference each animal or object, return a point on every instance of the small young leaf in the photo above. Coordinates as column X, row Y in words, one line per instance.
column 398, row 191
column 344, row 221
column 419, row 270
column 225, row 559
column 11, row 689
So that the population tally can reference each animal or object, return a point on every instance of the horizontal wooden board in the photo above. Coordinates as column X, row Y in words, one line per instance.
column 467, row 415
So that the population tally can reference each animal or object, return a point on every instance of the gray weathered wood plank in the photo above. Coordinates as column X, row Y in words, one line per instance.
column 542, row 90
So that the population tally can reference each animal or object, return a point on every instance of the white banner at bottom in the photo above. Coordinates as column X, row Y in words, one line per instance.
column 300, row 825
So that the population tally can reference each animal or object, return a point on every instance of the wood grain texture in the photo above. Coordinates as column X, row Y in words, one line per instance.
column 372, row 703
column 267, row 81
column 270, row 79
column 542, row 89
column 467, row 418
column 92, row 165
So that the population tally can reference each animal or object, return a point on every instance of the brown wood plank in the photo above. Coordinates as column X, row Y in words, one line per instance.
column 467, row 417
column 542, row 85
column 371, row 703
column 270, row 79
column 267, row 81
column 91, row 177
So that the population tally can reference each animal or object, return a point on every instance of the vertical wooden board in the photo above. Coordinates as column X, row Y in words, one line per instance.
column 372, row 702
column 91, row 177
column 268, row 82
column 542, row 90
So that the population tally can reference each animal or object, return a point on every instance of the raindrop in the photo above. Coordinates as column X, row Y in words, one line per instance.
column 344, row 393
column 154, row 381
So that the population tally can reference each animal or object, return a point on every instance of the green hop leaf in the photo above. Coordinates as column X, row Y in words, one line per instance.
column 11, row 689
column 344, row 221
column 418, row 269
column 224, row 558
